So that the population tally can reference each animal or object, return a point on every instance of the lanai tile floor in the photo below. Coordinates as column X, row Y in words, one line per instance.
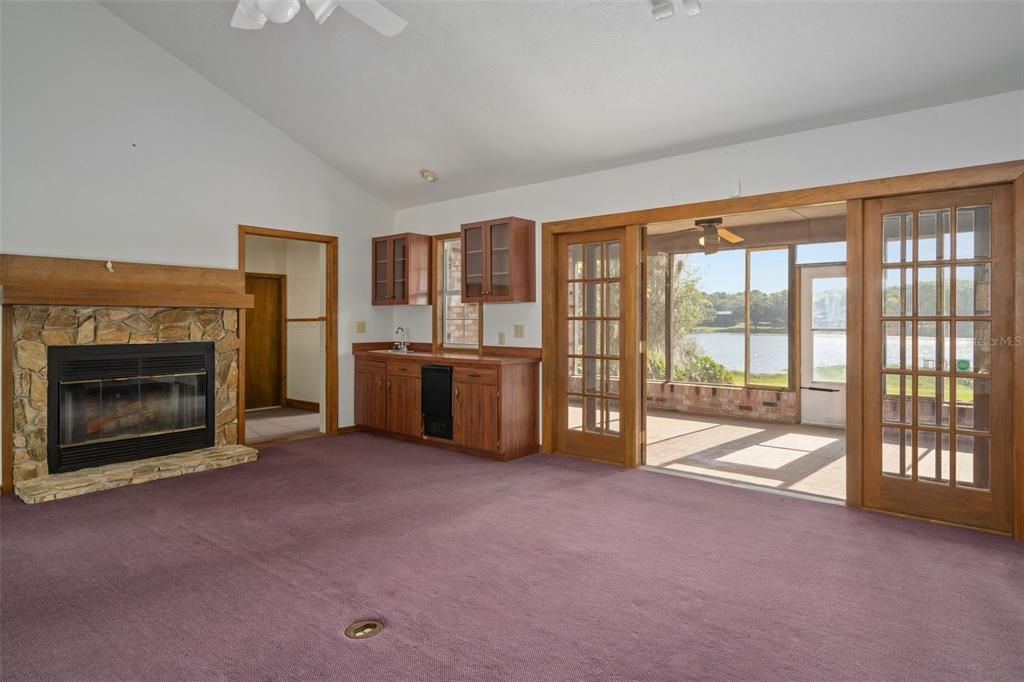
column 798, row 458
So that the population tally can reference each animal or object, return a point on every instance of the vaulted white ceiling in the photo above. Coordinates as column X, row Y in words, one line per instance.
column 500, row 93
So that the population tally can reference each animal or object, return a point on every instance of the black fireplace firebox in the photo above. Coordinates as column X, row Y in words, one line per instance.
column 121, row 402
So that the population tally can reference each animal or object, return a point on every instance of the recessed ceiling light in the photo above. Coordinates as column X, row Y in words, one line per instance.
column 428, row 175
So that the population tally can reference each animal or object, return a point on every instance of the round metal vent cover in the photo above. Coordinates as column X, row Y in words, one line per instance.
column 364, row 629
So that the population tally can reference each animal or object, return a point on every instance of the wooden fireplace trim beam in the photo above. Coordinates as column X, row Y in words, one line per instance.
column 37, row 280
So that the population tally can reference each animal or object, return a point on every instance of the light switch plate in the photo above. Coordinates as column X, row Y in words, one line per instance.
column 501, row 338
column 518, row 331
column 360, row 326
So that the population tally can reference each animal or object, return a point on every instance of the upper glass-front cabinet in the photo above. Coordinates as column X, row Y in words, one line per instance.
column 498, row 261
column 401, row 270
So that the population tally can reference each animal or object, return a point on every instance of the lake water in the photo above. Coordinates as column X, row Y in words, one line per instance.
column 769, row 352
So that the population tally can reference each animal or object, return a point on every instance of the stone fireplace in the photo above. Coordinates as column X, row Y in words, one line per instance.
column 41, row 333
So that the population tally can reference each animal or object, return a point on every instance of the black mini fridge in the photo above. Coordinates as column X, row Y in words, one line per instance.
column 436, row 400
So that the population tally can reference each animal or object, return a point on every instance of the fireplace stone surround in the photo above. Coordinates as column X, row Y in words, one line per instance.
column 37, row 327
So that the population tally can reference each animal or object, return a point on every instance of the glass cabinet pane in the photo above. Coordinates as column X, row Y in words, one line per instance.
column 399, row 269
column 501, row 281
column 473, row 277
column 380, row 270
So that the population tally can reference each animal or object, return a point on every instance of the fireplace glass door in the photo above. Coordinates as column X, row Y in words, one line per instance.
column 113, row 409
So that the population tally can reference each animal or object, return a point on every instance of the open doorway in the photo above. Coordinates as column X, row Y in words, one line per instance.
column 746, row 349
column 286, row 386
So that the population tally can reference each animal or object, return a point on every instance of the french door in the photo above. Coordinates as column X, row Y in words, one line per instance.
column 598, row 359
column 938, row 316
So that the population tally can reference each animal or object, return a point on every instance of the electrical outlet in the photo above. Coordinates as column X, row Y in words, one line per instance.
column 360, row 326
column 518, row 331
column 501, row 338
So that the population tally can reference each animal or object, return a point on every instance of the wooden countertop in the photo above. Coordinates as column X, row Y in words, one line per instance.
column 446, row 358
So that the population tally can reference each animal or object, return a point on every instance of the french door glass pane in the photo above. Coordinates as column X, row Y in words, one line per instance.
column 898, row 348
column 611, row 259
column 933, row 398
column 973, row 232
column 974, row 347
column 933, row 241
column 933, row 346
column 973, row 403
column 897, row 291
column 972, row 461
column 897, row 237
column 933, row 291
column 933, row 456
column 897, row 398
column 974, row 289
column 896, row 447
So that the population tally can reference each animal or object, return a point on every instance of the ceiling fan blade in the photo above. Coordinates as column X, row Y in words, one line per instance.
column 247, row 16
column 375, row 15
column 728, row 236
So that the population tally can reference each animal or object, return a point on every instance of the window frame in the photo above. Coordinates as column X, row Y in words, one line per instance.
column 438, row 301
column 792, row 325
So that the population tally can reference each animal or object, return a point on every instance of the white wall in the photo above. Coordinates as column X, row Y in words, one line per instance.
column 115, row 149
column 968, row 133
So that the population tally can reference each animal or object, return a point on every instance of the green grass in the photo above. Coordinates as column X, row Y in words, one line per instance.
column 926, row 388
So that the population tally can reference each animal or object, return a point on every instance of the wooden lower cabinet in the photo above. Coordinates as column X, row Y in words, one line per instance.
column 494, row 404
column 403, row 405
column 475, row 416
column 371, row 394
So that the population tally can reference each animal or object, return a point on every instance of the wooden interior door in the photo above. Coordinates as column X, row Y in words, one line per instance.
column 599, row 347
column 265, row 341
column 938, row 327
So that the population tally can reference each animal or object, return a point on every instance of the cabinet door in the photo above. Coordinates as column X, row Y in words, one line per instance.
column 399, row 270
column 476, row 416
column 403, row 401
column 381, row 271
column 499, row 261
column 473, row 269
column 370, row 407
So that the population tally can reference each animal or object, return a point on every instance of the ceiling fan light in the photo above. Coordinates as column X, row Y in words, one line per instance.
column 692, row 7
column 247, row 16
column 662, row 9
column 322, row 9
column 279, row 11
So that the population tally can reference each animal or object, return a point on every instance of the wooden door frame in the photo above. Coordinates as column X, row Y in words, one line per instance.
column 854, row 194
column 331, row 396
column 282, row 349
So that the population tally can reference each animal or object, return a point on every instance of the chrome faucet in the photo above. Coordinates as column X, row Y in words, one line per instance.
column 402, row 342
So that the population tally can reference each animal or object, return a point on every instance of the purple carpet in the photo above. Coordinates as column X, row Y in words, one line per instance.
column 544, row 568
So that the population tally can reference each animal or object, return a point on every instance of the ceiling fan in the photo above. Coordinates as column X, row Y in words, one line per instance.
column 714, row 233
column 254, row 14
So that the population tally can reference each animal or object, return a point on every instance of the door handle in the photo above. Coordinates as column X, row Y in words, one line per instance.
column 458, row 395
column 473, row 375
column 389, row 384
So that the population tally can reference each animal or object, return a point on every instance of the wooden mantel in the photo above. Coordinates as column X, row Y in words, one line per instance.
column 34, row 280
